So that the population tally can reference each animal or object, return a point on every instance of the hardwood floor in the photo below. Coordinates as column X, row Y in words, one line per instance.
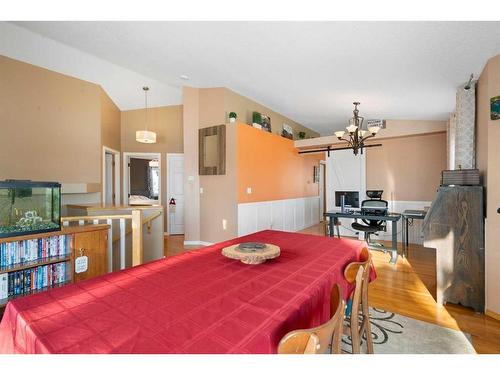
column 409, row 289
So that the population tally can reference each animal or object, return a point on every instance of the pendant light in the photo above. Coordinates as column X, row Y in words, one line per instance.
column 145, row 136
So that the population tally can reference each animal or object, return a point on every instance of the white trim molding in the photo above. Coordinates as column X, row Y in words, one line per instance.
column 196, row 243
column 117, row 168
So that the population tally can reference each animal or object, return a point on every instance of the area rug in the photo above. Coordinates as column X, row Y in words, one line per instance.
column 398, row 334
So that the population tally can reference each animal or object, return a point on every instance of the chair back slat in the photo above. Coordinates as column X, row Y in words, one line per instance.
column 328, row 335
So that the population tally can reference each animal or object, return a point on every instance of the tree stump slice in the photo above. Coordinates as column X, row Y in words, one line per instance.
column 251, row 257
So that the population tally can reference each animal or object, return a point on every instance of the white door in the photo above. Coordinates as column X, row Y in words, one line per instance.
column 175, row 198
column 345, row 172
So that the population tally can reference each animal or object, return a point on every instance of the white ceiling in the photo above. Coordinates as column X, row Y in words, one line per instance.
column 309, row 71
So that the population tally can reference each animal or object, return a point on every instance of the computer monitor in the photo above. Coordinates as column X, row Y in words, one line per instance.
column 351, row 198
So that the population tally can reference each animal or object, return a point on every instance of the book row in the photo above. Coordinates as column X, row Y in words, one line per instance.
column 23, row 282
column 12, row 253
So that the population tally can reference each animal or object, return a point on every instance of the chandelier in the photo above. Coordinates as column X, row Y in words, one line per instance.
column 356, row 135
column 145, row 136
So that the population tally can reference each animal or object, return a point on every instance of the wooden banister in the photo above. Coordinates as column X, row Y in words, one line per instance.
column 137, row 250
column 146, row 220
column 94, row 217
column 137, row 220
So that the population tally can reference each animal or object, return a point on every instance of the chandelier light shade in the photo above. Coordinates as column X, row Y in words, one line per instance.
column 145, row 136
column 356, row 135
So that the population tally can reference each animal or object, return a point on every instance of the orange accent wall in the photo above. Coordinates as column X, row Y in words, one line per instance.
column 272, row 167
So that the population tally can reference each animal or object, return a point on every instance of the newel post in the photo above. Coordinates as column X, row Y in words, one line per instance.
column 137, row 250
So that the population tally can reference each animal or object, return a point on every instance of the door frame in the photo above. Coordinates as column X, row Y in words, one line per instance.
column 167, row 158
column 322, row 181
column 116, row 156
column 126, row 177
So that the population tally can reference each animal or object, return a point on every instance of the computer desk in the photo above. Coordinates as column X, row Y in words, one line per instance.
column 408, row 216
column 356, row 214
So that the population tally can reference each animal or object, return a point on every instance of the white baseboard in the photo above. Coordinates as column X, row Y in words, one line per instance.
column 196, row 243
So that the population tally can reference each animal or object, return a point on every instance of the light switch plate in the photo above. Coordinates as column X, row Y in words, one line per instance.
column 201, row 190
column 249, row 190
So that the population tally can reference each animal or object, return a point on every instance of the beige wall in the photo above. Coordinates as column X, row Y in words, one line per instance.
column 190, row 118
column 407, row 168
column 50, row 125
column 167, row 123
column 218, row 201
column 110, row 123
column 488, row 87
column 244, row 108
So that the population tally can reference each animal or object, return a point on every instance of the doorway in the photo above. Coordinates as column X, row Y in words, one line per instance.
column 110, row 177
column 141, row 179
column 175, row 193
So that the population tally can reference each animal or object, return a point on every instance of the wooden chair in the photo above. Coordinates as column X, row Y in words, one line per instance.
column 359, row 273
column 325, row 338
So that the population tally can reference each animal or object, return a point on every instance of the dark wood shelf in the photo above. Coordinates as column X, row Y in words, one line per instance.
column 3, row 302
column 64, row 230
column 35, row 263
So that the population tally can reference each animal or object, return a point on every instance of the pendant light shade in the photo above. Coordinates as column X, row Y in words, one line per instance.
column 145, row 136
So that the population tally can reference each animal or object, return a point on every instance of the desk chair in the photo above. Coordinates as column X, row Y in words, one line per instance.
column 371, row 207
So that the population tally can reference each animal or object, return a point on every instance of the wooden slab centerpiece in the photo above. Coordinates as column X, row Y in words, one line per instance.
column 251, row 252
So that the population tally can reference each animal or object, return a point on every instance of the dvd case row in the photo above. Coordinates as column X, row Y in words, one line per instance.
column 12, row 253
column 23, row 282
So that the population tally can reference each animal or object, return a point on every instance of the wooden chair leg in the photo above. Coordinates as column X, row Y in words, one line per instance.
column 355, row 339
column 368, row 330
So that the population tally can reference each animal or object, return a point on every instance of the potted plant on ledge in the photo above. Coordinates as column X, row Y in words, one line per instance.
column 257, row 120
column 232, row 116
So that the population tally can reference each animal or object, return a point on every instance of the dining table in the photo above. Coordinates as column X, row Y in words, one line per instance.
column 196, row 302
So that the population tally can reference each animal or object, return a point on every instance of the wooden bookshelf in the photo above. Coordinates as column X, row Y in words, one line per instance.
column 63, row 231
column 91, row 238
column 36, row 263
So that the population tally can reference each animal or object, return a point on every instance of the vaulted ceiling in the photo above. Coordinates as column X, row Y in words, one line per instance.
column 309, row 71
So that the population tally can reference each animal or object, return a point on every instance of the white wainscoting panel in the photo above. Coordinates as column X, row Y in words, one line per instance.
column 289, row 215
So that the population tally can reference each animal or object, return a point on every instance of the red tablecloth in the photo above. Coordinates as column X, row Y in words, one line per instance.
column 197, row 302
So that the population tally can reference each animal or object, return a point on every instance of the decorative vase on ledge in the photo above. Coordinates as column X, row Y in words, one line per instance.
column 232, row 117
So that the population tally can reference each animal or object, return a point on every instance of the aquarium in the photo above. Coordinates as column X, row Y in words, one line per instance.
column 29, row 207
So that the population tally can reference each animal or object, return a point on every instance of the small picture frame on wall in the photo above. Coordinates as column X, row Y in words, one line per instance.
column 287, row 131
column 495, row 108
column 266, row 123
